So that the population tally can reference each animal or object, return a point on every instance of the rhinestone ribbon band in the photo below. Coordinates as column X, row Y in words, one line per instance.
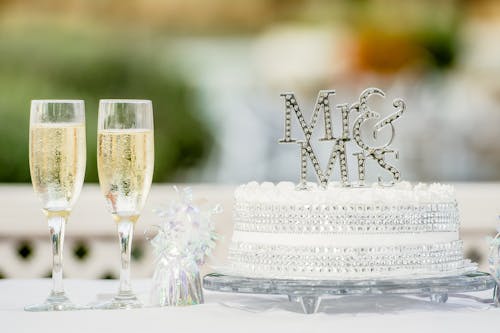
column 276, row 260
column 279, row 218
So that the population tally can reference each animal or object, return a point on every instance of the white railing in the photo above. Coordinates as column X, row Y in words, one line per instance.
column 91, row 246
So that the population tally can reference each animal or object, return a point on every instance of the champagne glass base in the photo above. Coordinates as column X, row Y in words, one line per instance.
column 55, row 302
column 120, row 301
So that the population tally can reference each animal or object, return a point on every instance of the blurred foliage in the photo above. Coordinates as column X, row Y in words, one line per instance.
column 394, row 35
column 91, row 49
column 42, row 62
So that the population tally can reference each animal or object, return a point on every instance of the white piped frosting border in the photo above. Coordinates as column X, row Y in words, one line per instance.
column 335, row 194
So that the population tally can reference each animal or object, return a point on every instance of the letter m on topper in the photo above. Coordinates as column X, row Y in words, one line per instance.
column 306, row 151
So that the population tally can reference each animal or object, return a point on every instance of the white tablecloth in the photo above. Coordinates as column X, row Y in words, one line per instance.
column 240, row 313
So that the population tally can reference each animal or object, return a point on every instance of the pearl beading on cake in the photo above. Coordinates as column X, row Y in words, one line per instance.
column 297, row 272
column 425, row 249
column 281, row 218
column 433, row 259
column 346, row 233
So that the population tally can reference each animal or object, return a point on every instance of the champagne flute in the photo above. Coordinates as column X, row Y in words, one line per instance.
column 125, row 162
column 57, row 166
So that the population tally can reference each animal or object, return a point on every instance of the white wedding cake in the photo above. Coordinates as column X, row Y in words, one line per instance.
column 345, row 232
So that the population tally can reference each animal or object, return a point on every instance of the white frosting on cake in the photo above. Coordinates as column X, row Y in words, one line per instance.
column 335, row 194
column 346, row 232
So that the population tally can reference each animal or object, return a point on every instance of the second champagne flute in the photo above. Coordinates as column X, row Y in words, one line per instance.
column 125, row 161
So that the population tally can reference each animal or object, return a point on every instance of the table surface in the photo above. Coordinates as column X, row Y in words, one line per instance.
column 224, row 312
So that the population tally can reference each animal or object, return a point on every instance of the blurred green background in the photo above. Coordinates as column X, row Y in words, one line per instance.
column 44, row 57
column 189, row 56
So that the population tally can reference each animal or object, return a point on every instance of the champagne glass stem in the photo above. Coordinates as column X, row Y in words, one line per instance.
column 125, row 234
column 57, row 224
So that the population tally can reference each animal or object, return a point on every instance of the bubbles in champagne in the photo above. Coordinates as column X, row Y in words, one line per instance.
column 125, row 161
column 57, row 163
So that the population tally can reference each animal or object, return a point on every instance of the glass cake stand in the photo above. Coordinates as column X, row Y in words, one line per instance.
column 309, row 292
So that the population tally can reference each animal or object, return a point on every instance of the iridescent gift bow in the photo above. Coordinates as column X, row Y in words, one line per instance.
column 183, row 239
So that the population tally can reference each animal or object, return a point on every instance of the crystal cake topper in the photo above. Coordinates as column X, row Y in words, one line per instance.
column 338, row 147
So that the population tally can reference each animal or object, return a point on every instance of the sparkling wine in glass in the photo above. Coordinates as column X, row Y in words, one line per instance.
column 57, row 166
column 125, row 161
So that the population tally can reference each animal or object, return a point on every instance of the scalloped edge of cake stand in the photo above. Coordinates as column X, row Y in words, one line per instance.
column 309, row 293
